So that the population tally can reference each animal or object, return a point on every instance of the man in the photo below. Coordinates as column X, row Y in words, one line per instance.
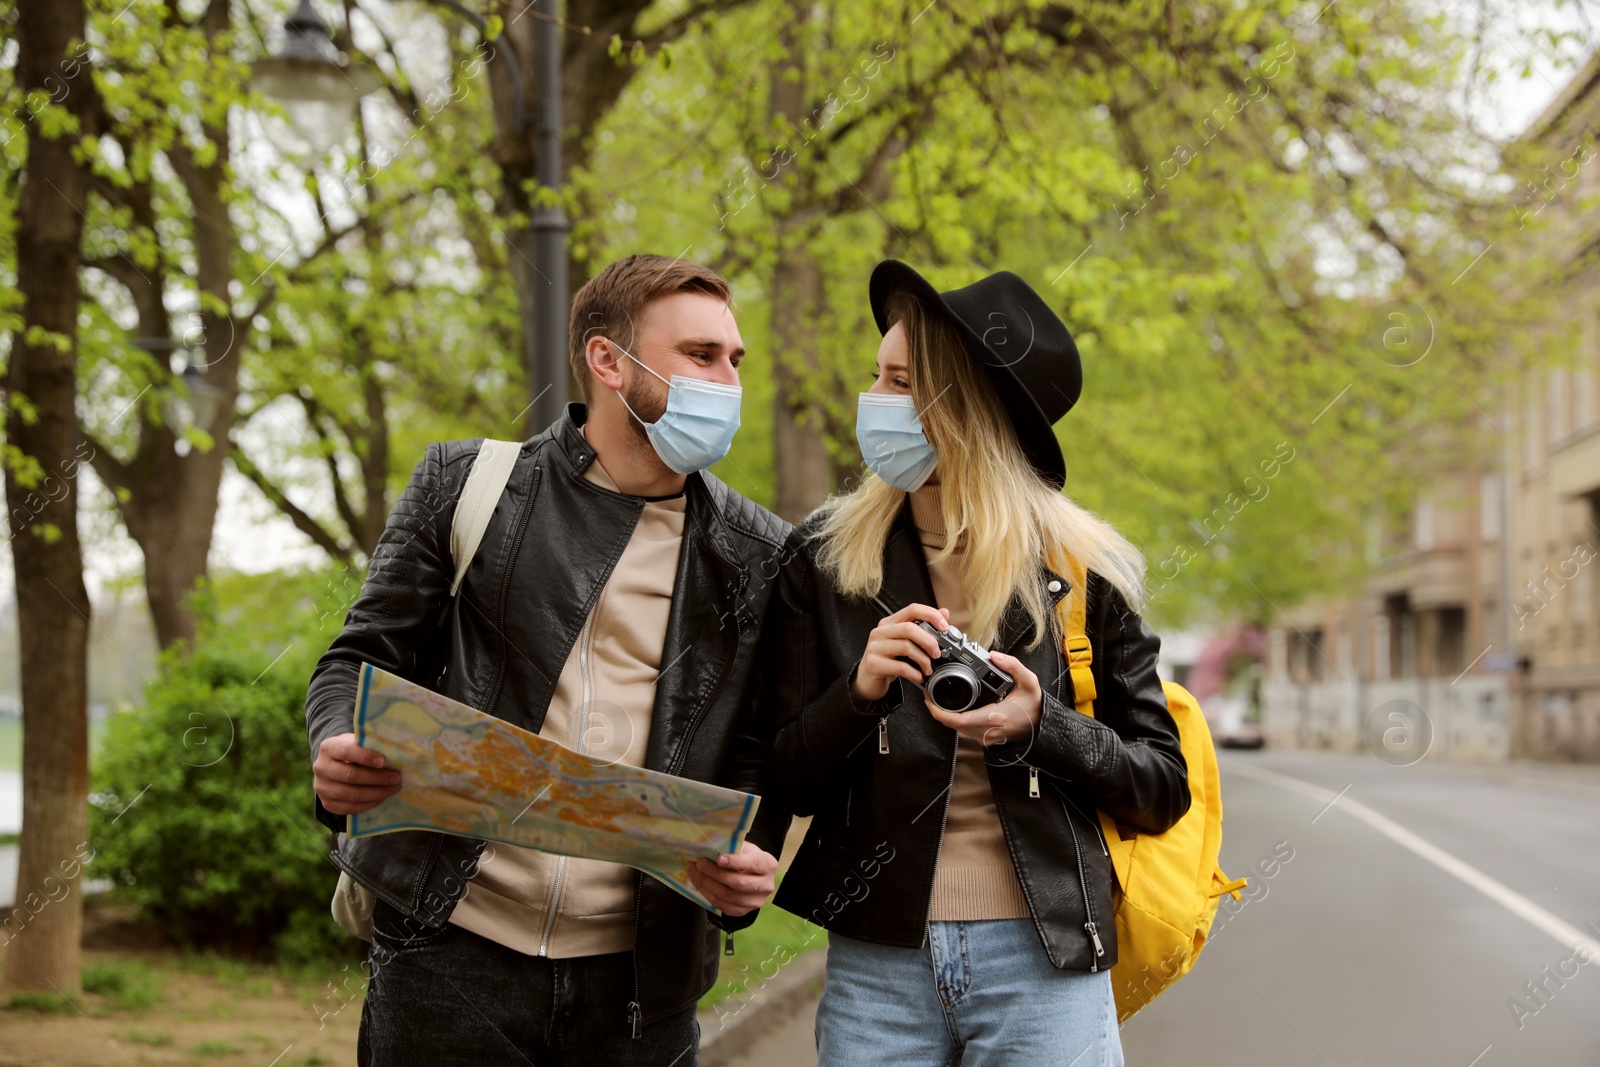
column 613, row 607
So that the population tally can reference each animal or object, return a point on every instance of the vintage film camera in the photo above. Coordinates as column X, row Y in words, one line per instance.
column 963, row 677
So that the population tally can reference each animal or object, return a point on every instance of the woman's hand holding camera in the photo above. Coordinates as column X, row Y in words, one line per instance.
column 1013, row 719
column 898, row 648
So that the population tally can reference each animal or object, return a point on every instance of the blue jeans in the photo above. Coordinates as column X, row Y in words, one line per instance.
column 979, row 993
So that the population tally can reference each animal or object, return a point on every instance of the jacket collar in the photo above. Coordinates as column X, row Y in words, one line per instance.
column 701, row 507
column 569, row 438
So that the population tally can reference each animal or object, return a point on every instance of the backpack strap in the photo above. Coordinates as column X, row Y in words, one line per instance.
column 491, row 470
column 1074, row 608
column 1080, row 655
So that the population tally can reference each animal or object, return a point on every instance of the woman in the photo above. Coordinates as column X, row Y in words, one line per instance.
column 954, row 854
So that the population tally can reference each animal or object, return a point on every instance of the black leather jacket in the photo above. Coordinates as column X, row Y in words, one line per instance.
column 866, row 868
column 548, row 552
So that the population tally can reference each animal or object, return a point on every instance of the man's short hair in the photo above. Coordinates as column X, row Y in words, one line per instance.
column 611, row 301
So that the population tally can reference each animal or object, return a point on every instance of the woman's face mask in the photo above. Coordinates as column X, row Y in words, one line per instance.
column 892, row 441
column 698, row 426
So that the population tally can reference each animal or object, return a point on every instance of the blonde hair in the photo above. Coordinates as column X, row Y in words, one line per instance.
column 1003, row 515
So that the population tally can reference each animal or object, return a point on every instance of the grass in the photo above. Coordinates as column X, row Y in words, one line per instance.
column 40, row 1002
column 127, row 986
column 243, row 976
column 162, row 1005
column 152, row 1038
column 216, row 1048
column 760, row 951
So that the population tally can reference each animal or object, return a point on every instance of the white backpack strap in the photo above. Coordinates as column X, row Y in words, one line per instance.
column 485, row 482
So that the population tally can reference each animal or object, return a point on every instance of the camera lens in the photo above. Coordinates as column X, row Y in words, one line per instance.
column 953, row 687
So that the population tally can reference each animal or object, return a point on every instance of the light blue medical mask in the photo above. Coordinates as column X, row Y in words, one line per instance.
column 698, row 426
column 892, row 441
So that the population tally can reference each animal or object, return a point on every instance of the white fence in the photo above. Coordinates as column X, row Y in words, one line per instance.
column 1400, row 720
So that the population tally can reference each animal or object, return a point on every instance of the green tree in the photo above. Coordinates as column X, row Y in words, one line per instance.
column 1228, row 206
column 46, row 111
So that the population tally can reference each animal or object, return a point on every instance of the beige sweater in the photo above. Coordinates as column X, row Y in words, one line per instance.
column 561, row 906
column 974, row 878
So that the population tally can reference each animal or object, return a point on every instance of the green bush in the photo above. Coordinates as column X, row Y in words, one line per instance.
column 202, row 806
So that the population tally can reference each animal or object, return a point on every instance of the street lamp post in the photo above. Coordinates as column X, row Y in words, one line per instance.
column 548, row 368
column 317, row 87
column 194, row 404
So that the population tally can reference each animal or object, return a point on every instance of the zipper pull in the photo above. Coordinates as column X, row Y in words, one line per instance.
column 633, row 1017
column 883, row 736
column 1033, row 781
column 1094, row 934
column 727, row 944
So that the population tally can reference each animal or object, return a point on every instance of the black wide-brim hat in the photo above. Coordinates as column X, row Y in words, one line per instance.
column 1022, row 345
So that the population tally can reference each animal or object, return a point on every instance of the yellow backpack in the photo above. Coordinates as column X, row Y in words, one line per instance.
column 1167, row 885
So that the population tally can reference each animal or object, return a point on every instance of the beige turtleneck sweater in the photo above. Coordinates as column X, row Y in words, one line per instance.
column 974, row 878
column 560, row 906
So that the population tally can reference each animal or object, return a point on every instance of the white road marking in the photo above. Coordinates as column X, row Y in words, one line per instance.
column 1567, row 935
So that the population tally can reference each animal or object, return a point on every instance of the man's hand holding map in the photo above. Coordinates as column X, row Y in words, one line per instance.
column 467, row 773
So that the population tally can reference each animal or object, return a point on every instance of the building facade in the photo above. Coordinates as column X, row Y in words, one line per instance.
column 1477, row 635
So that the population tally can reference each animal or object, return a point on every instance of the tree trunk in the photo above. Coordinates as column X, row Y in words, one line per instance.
column 44, row 929
column 171, row 505
column 172, row 523
column 800, row 455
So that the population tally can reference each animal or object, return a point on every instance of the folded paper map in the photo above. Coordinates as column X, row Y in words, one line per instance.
column 467, row 773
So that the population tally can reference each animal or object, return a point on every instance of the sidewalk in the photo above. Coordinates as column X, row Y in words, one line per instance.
column 773, row 1025
column 769, row 1024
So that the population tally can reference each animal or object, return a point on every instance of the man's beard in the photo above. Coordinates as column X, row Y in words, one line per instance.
column 648, row 399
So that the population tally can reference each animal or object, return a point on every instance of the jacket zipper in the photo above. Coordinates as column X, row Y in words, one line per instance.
column 944, row 819
column 1033, row 772
column 1104, row 851
column 635, row 1012
column 638, row 913
column 1083, row 882
column 585, row 642
column 505, row 587
column 1088, row 907
column 1099, row 833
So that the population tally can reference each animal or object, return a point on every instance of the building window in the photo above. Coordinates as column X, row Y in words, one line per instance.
column 1450, row 654
column 1380, row 648
column 1489, row 506
column 1556, row 397
column 1307, row 656
column 1582, row 400
column 1423, row 525
column 1402, row 636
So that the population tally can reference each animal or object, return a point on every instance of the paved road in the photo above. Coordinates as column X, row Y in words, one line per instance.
column 1358, row 950
column 1361, row 952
